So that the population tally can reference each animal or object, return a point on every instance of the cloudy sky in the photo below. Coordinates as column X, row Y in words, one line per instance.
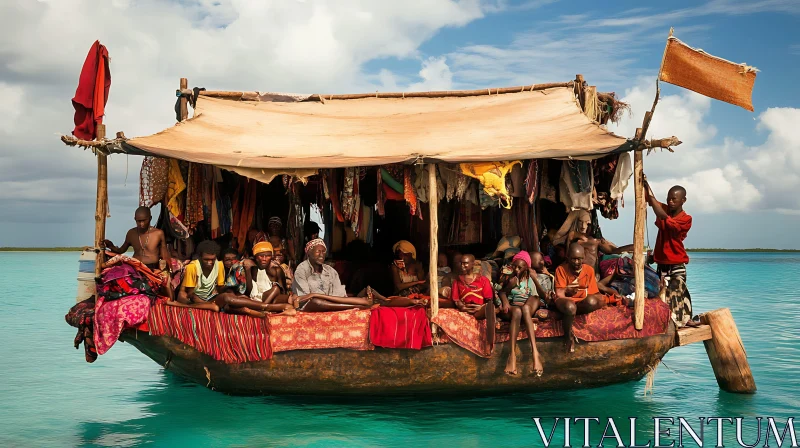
column 742, row 169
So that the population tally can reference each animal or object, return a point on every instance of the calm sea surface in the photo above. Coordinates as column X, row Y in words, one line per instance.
column 49, row 396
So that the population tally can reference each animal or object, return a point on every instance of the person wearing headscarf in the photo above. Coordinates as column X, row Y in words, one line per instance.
column 519, row 301
column 317, row 287
column 408, row 274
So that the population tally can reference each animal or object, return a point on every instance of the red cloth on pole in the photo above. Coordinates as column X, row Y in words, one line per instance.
column 92, row 93
column 395, row 327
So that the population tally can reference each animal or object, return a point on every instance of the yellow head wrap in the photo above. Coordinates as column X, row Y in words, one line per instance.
column 262, row 247
column 405, row 247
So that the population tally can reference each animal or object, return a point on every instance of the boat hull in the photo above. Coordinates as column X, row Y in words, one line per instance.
column 442, row 369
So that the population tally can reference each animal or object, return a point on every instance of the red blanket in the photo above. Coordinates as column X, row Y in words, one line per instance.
column 229, row 338
column 92, row 93
column 607, row 324
column 400, row 328
column 340, row 329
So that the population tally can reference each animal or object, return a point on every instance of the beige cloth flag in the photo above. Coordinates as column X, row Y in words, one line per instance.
column 694, row 69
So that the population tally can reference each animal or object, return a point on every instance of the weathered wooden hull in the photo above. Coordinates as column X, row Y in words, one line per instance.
column 443, row 369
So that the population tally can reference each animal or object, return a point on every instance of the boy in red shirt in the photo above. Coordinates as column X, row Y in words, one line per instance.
column 673, row 225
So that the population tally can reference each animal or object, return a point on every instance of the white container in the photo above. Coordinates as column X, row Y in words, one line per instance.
column 86, row 284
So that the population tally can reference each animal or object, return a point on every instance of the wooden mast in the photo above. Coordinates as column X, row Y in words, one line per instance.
column 638, row 235
column 101, row 205
column 433, row 216
column 184, row 100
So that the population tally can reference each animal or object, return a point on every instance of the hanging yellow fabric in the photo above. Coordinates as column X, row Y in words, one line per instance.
column 175, row 188
column 492, row 175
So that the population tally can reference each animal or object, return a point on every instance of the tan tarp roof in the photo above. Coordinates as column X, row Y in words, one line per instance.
column 254, row 136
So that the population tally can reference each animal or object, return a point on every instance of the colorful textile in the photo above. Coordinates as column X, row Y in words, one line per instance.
column 532, row 181
column 477, row 292
column 624, row 281
column 175, row 187
column 409, row 194
column 153, row 180
column 397, row 327
column 609, row 323
column 492, row 175
column 195, row 184
column 303, row 331
column 585, row 282
column 522, row 292
column 113, row 316
column 81, row 316
column 92, row 92
column 236, row 279
column 230, row 338
column 671, row 233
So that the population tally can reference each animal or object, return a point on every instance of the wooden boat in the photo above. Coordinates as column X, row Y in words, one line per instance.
column 441, row 369
column 305, row 135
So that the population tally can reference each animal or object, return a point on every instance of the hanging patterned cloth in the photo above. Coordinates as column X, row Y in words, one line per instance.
column 175, row 187
column 409, row 195
column 348, row 196
column 153, row 181
column 532, row 181
column 194, row 196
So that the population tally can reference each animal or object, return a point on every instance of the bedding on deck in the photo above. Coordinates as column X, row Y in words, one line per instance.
column 607, row 324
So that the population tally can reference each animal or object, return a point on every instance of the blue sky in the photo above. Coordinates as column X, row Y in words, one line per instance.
column 741, row 168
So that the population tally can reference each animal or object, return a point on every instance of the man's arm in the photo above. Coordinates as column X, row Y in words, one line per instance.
column 248, row 275
column 606, row 289
column 300, row 283
column 654, row 203
column 164, row 251
column 119, row 250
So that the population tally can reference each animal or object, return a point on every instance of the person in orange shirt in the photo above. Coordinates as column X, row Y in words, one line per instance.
column 577, row 291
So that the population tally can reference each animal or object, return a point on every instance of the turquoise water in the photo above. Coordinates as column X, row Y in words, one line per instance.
column 51, row 397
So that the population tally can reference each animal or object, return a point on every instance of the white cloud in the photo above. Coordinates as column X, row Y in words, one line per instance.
column 714, row 190
column 435, row 75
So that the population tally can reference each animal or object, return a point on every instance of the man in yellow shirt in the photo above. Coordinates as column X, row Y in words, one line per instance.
column 203, row 279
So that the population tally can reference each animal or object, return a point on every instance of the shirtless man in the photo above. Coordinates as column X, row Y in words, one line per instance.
column 581, row 221
column 149, row 244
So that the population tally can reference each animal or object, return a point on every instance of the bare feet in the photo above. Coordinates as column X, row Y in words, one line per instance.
column 511, row 364
column 570, row 343
column 211, row 306
column 288, row 312
column 537, row 364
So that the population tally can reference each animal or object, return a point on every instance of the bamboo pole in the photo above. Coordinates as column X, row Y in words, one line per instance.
column 184, row 100
column 726, row 352
column 638, row 236
column 254, row 96
column 433, row 215
column 101, row 206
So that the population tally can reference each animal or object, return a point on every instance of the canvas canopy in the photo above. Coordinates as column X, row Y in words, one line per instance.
column 251, row 137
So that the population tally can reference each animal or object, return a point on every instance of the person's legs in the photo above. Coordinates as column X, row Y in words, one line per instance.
column 210, row 305
column 183, row 297
column 513, row 331
column 591, row 303
column 269, row 296
column 317, row 304
column 568, row 310
column 231, row 303
column 528, row 311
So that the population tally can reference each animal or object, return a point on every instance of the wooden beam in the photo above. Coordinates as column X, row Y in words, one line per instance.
column 254, row 96
column 433, row 216
column 690, row 335
column 101, row 204
column 638, row 236
column 726, row 353
column 184, row 100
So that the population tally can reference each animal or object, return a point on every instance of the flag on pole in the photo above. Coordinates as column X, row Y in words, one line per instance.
column 694, row 69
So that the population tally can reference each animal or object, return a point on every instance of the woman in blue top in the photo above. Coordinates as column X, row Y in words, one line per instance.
column 519, row 302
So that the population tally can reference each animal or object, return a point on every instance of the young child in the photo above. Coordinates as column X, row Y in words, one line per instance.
column 673, row 225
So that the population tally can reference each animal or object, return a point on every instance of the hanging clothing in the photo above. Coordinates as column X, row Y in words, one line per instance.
column 532, row 181
column 153, row 180
column 235, row 279
column 571, row 196
column 492, row 175
column 174, row 189
column 622, row 175
column 677, row 294
column 421, row 184
column 194, row 196
column 548, row 185
column 91, row 95
column 409, row 194
column 581, row 175
column 348, row 195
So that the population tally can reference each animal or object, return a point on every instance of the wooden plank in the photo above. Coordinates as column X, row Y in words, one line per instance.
column 638, row 236
column 726, row 353
column 184, row 101
column 688, row 335
column 101, row 205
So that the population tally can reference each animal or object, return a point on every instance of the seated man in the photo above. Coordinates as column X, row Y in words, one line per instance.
column 581, row 231
column 577, row 291
column 263, row 293
column 473, row 293
column 203, row 279
column 317, row 285
column 407, row 273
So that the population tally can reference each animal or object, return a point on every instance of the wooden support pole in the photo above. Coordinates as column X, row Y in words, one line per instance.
column 638, row 236
column 433, row 216
column 579, row 91
column 184, row 100
column 101, row 206
column 726, row 353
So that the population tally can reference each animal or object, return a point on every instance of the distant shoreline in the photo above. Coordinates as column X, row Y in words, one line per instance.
column 79, row 249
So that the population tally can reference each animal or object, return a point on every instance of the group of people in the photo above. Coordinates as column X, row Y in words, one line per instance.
column 259, row 282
